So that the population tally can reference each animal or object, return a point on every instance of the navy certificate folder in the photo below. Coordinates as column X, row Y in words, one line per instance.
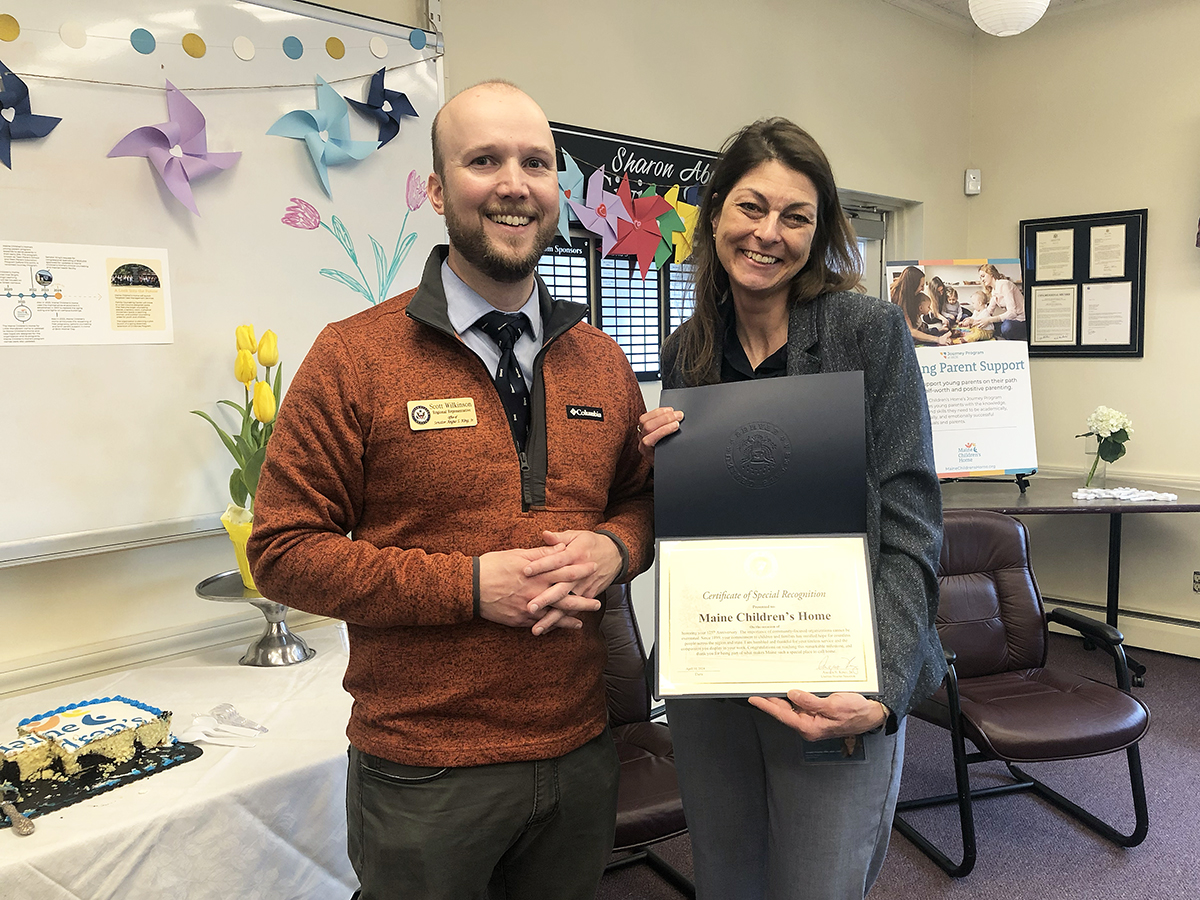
column 775, row 456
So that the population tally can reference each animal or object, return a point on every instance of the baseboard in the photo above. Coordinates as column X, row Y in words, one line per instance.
column 19, row 675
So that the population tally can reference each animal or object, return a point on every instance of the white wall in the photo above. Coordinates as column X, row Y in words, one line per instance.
column 1088, row 112
column 1093, row 112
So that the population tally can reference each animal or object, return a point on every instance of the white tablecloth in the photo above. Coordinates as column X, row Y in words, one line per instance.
column 264, row 822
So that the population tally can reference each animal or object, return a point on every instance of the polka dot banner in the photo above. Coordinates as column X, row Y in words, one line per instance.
column 417, row 39
column 10, row 28
column 193, row 45
column 73, row 35
column 379, row 47
column 335, row 48
column 143, row 41
column 244, row 48
column 292, row 47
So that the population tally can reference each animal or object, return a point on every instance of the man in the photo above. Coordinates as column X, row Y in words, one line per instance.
column 494, row 488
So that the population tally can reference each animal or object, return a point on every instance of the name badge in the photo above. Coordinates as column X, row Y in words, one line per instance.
column 425, row 415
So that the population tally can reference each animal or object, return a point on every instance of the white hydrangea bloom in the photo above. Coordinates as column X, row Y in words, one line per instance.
column 1106, row 421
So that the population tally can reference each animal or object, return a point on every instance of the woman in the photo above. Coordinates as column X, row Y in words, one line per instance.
column 945, row 299
column 1006, row 305
column 907, row 293
column 776, row 264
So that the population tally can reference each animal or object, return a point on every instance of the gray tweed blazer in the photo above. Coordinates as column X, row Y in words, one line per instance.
column 843, row 332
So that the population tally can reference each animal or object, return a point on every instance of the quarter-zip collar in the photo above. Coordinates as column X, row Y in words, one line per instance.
column 428, row 306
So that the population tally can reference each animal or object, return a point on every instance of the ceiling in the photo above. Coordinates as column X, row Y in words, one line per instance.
column 956, row 14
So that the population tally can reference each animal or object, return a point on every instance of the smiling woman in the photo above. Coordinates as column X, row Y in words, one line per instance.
column 776, row 262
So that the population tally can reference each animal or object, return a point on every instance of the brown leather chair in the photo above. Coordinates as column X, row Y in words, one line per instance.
column 649, row 808
column 999, row 693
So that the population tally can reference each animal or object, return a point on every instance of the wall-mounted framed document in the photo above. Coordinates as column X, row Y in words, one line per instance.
column 1085, row 279
column 741, row 617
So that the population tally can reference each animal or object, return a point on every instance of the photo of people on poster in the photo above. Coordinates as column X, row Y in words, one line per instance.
column 959, row 301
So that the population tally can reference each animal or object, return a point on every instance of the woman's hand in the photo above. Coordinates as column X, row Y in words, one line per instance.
column 817, row 718
column 655, row 425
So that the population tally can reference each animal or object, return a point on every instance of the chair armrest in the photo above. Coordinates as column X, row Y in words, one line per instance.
column 951, row 656
column 1100, row 631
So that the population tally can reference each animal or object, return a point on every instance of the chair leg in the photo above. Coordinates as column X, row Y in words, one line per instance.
column 1141, row 814
column 669, row 873
column 962, row 781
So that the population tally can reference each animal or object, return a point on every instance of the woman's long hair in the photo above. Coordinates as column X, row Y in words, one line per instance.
column 834, row 263
column 995, row 273
column 905, row 293
column 941, row 293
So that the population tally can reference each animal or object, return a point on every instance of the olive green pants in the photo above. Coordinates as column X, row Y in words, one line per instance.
column 538, row 830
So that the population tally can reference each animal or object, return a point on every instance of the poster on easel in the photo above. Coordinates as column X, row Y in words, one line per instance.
column 967, row 322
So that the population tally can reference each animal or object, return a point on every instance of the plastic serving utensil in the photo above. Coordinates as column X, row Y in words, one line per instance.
column 20, row 824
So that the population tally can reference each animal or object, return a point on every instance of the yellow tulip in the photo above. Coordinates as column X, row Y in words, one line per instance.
column 268, row 348
column 245, row 338
column 264, row 403
column 244, row 368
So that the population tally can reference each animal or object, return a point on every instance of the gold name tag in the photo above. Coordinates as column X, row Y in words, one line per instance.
column 424, row 415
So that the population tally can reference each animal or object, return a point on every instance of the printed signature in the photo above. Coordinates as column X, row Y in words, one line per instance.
column 836, row 666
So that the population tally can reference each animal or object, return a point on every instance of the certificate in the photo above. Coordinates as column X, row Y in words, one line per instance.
column 739, row 617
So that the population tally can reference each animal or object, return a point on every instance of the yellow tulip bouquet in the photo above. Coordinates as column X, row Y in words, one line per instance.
column 248, row 446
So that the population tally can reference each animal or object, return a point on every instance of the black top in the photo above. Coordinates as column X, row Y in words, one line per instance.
column 735, row 365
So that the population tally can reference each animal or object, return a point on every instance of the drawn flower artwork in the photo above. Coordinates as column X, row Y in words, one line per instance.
column 570, row 186
column 325, row 132
column 385, row 107
column 17, row 121
column 639, row 236
column 178, row 148
column 602, row 211
column 304, row 216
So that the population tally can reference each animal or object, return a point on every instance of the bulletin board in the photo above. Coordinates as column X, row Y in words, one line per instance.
column 1085, row 283
column 101, row 450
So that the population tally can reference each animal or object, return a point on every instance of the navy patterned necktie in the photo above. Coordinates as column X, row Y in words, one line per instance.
column 506, row 329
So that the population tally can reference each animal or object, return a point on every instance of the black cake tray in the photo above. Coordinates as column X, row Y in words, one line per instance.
column 41, row 797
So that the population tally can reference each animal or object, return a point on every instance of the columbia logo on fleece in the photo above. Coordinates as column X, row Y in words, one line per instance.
column 585, row 412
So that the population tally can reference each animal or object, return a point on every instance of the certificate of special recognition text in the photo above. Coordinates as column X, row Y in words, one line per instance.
column 762, row 615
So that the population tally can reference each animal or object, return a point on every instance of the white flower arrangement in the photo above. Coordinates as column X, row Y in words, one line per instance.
column 1111, row 429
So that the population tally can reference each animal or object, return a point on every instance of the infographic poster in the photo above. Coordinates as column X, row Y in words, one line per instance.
column 57, row 294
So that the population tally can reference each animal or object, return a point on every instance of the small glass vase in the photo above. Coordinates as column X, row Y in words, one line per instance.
column 239, row 534
column 1097, row 474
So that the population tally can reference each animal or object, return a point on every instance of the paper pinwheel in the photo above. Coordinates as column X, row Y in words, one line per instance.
column 178, row 149
column 385, row 107
column 17, row 121
column 640, row 235
column 668, row 224
column 602, row 212
column 326, row 132
column 570, row 185
column 688, row 214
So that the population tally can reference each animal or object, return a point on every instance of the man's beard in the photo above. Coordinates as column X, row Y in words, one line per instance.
column 481, row 253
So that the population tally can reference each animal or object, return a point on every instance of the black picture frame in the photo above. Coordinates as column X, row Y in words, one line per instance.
column 1086, row 334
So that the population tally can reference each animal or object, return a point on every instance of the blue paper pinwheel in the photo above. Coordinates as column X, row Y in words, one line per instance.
column 570, row 187
column 326, row 132
column 385, row 107
column 17, row 121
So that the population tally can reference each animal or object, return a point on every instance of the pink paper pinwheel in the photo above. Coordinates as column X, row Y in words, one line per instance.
column 570, row 186
column 17, row 120
column 385, row 107
column 640, row 235
column 326, row 132
column 177, row 149
column 602, row 212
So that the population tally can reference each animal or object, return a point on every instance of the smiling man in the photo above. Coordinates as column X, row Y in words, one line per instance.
column 480, row 441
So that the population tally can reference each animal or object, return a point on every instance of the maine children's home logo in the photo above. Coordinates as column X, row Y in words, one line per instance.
column 968, row 452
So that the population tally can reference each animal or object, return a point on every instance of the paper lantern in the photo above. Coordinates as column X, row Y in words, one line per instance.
column 1004, row 18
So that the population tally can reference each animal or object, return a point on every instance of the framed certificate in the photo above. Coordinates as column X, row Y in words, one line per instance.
column 757, row 616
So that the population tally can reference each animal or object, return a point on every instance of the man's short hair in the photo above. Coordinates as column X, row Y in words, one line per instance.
column 438, row 162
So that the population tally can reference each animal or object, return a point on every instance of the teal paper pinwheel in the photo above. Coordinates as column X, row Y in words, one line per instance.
column 325, row 131
column 570, row 187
